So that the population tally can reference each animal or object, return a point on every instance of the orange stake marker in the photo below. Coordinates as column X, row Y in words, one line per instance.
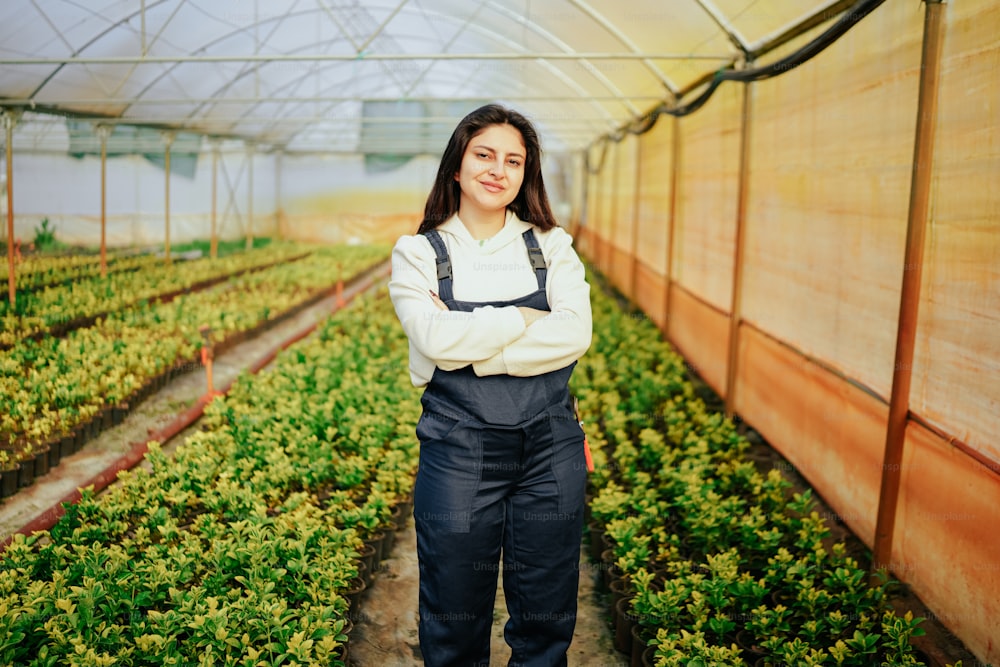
column 340, row 303
column 207, row 355
column 586, row 445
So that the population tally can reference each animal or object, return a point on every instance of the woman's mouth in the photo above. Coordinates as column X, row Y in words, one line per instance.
column 492, row 187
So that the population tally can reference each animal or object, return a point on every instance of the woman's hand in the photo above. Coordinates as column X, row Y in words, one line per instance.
column 438, row 302
column 531, row 315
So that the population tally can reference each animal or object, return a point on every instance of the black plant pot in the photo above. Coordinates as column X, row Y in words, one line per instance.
column 625, row 618
column 376, row 541
column 55, row 454
column 26, row 473
column 388, row 542
column 41, row 462
column 8, row 481
column 118, row 413
column 367, row 557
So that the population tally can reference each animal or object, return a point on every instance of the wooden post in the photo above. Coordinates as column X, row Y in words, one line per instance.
column 279, row 163
column 609, row 249
column 909, row 298
column 103, row 131
column 594, row 216
column 250, row 148
column 214, row 242
column 634, row 244
column 168, row 140
column 675, row 168
column 9, row 121
column 736, row 305
column 583, row 211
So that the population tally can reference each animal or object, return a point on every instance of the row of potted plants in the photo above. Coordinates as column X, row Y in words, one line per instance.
column 59, row 309
column 36, row 271
column 710, row 560
column 58, row 392
column 253, row 543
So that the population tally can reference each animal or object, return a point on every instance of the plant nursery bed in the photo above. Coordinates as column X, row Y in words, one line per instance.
column 716, row 551
column 153, row 414
column 255, row 519
column 127, row 357
column 938, row 647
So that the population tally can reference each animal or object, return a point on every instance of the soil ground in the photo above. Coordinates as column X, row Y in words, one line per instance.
column 386, row 632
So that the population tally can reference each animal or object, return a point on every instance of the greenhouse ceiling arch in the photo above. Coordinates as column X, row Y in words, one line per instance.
column 309, row 74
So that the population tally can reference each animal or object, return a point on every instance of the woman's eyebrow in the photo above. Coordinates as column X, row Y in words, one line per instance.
column 493, row 150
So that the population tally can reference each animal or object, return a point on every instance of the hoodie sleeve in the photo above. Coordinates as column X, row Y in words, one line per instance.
column 562, row 336
column 451, row 339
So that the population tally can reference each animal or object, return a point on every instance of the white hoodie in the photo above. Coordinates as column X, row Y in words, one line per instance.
column 494, row 340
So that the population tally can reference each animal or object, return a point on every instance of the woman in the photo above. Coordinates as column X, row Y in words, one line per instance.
column 495, row 304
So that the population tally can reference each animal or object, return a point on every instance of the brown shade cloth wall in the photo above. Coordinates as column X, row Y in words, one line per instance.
column 654, row 204
column 653, row 219
column 706, row 204
column 956, row 382
column 624, row 212
column 831, row 151
column 832, row 147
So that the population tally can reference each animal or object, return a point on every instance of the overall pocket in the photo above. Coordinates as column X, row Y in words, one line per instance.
column 449, row 472
column 568, row 460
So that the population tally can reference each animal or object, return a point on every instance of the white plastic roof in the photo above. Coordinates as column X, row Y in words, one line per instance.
column 375, row 75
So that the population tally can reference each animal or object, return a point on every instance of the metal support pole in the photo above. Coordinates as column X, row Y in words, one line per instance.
column 736, row 302
column 142, row 25
column 9, row 121
column 168, row 140
column 250, row 151
column 909, row 298
column 103, row 132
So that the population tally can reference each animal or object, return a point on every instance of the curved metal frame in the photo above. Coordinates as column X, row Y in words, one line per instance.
column 388, row 12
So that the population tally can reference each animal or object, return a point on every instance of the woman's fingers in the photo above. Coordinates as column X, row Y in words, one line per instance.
column 438, row 302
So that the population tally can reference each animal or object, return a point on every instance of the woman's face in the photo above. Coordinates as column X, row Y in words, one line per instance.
column 492, row 169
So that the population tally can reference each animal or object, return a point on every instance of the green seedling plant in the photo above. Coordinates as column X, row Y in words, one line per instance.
column 897, row 633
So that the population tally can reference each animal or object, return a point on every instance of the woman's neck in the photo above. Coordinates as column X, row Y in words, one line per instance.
column 483, row 226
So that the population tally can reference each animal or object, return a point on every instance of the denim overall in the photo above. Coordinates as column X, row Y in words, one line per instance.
column 502, row 470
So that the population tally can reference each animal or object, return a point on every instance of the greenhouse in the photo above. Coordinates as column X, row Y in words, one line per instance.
column 272, row 394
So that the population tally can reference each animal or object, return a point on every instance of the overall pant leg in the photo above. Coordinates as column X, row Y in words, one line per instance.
column 459, row 532
column 542, row 542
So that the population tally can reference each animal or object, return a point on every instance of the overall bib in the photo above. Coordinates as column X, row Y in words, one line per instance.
column 502, row 470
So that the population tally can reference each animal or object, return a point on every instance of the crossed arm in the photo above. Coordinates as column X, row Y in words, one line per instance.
column 513, row 340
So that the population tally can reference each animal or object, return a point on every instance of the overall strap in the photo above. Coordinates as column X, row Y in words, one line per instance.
column 535, row 257
column 443, row 262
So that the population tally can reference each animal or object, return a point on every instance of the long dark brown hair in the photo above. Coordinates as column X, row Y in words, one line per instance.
column 531, row 203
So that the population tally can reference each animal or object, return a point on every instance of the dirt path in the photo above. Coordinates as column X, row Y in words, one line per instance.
column 386, row 635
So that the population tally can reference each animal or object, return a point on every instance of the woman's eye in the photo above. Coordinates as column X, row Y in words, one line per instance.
column 514, row 163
